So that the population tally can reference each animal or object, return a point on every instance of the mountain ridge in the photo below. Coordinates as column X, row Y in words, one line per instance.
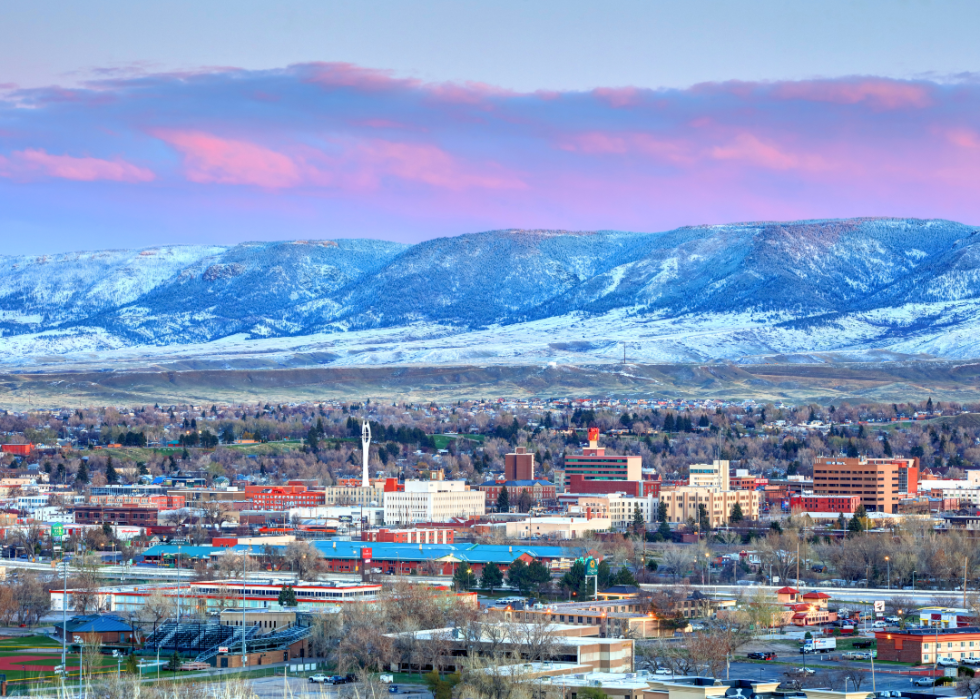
column 696, row 293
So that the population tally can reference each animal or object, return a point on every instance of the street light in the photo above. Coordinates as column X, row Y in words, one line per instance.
column 888, row 562
column 81, row 665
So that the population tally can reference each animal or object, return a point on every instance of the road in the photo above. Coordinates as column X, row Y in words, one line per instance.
column 885, row 677
column 840, row 594
column 278, row 687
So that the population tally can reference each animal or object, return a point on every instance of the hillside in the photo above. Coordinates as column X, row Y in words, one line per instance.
column 811, row 291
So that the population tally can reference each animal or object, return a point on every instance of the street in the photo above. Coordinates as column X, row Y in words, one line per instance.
column 277, row 687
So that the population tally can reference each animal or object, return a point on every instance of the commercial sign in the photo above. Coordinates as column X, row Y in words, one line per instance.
column 57, row 532
column 591, row 566
column 879, row 606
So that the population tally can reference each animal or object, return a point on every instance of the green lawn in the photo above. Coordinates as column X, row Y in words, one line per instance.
column 442, row 441
column 27, row 642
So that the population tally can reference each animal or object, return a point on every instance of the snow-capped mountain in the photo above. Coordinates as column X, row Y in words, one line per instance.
column 727, row 292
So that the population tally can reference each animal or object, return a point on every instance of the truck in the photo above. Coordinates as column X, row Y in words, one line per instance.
column 819, row 645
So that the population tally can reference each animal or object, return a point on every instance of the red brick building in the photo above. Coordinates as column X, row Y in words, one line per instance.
column 127, row 515
column 409, row 536
column 746, row 482
column 541, row 492
column 519, row 466
column 825, row 503
column 638, row 489
column 282, row 497
column 919, row 646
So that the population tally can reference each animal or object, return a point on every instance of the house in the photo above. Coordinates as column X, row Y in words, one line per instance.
column 106, row 628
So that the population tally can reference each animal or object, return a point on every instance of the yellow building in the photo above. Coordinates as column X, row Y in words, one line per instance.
column 682, row 503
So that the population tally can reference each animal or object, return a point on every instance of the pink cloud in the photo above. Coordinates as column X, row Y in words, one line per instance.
column 964, row 138
column 214, row 160
column 33, row 162
column 748, row 148
column 883, row 94
column 600, row 143
column 619, row 97
column 426, row 164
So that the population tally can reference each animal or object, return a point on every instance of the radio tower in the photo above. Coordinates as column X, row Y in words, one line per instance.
column 366, row 451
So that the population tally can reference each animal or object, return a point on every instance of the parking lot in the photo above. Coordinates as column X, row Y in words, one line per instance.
column 273, row 687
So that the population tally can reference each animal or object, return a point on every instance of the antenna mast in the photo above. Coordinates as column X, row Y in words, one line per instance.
column 366, row 451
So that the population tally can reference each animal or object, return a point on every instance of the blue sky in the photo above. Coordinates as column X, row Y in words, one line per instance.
column 128, row 124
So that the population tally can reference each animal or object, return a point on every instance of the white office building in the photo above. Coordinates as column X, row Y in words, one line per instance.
column 433, row 501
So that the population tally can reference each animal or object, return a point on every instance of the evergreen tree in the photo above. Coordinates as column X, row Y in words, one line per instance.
column 624, row 577
column 517, row 575
column 852, row 450
column 841, row 522
column 638, row 524
column 492, row 577
column 110, row 472
column 313, row 440
column 886, row 446
column 81, row 476
column 736, row 515
column 503, row 500
column 287, row 596
column 537, row 575
column 662, row 511
column 463, row 577
column 856, row 525
column 704, row 523
column 664, row 531
column 669, row 423
column 774, row 525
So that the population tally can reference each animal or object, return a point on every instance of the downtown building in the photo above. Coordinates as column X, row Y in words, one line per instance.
column 880, row 483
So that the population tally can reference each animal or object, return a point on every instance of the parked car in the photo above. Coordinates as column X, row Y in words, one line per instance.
column 769, row 655
column 893, row 620
column 922, row 682
column 948, row 662
column 393, row 689
column 318, row 679
column 663, row 672
column 805, row 671
column 338, row 679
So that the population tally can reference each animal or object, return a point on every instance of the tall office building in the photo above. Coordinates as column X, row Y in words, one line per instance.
column 880, row 483
column 519, row 466
column 593, row 464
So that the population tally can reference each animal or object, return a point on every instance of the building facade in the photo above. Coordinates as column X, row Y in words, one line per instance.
column 593, row 464
column 409, row 536
column 433, row 501
column 821, row 503
column 682, row 503
column 922, row 646
column 713, row 475
column 519, row 466
column 880, row 483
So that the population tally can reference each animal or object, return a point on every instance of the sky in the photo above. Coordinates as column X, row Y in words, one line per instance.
column 137, row 124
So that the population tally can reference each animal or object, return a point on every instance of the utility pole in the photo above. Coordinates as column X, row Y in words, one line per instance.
column 965, row 560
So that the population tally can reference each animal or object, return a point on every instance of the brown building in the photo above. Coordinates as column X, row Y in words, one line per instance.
column 881, row 483
column 105, row 628
column 919, row 646
column 519, row 466
column 127, row 515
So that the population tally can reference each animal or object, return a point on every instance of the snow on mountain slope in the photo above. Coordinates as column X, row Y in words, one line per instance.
column 44, row 291
column 705, row 293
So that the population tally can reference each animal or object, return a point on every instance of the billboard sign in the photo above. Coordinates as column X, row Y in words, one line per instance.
column 591, row 566
column 57, row 532
column 879, row 606
column 593, row 434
